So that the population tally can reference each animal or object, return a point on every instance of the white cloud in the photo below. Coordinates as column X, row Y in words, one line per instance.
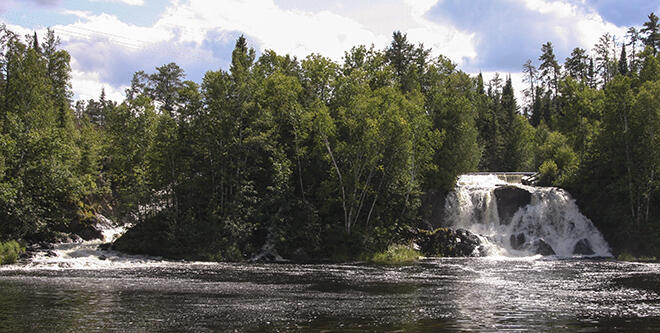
column 128, row 2
column 88, row 85
column 111, row 28
column 329, row 32
column 575, row 21
column 106, row 49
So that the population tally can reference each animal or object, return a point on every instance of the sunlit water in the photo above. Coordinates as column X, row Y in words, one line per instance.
column 480, row 294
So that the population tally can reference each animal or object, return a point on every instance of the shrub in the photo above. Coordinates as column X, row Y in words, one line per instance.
column 396, row 255
column 549, row 172
column 9, row 252
column 627, row 256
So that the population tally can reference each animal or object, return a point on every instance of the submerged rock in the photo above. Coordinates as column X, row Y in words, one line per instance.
column 541, row 247
column 509, row 199
column 583, row 247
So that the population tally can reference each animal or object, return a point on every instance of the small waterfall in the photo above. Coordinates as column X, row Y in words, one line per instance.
column 518, row 220
column 92, row 254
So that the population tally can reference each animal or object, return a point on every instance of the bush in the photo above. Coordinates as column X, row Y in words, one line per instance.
column 9, row 252
column 549, row 172
column 627, row 256
column 396, row 255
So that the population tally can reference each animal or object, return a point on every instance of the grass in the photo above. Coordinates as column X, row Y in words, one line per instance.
column 396, row 255
column 627, row 256
column 9, row 252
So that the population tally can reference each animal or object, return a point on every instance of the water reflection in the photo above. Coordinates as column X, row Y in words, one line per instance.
column 442, row 294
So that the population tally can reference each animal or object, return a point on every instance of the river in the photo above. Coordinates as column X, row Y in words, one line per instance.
column 443, row 294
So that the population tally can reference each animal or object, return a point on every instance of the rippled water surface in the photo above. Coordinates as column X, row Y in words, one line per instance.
column 480, row 294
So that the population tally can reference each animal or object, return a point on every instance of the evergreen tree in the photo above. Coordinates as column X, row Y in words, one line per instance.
column 651, row 30
column 531, row 75
column 633, row 40
column 550, row 69
column 623, row 61
column 576, row 65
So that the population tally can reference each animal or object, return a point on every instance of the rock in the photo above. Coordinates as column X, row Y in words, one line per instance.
column 583, row 247
column 433, row 208
column 51, row 253
column 104, row 246
column 449, row 243
column 530, row 180
column 45, row 246
column 102, row 257
column 541, row 247
column 517, row 241
column 509, row 199
column 92, row 228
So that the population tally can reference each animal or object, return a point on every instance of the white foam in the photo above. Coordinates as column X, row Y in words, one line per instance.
column 87, row 254
column 552, row 216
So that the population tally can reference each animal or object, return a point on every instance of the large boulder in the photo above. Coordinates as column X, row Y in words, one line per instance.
column 509, row 199
column 445, row 242
column 91, row 228
column 583, row 247
column 539, row 246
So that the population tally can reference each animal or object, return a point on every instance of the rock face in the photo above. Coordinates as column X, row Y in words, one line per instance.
column 433, row 208
column 517, row 241
column 509, row 199
column 583, row 247
column 92, row 229
column 449, row 243
column 539, row 246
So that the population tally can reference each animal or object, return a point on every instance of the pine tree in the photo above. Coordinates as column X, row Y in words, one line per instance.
column 623, row 61
column 550, row 69
column 576, row 65
column 652, row 31
column 531, row 75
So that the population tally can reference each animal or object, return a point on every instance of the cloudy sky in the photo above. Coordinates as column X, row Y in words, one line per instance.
column 111, row 39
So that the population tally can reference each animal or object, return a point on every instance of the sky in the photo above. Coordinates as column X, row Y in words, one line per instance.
column 109, row 40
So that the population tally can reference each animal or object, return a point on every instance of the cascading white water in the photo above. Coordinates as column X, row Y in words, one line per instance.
column 87, row 254
column 551, row 218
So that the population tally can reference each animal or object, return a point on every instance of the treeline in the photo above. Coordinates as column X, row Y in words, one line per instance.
column 323, row 159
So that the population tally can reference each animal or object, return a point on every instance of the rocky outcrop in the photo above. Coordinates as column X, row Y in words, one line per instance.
column 446, row 242
column 433, row 208
column 509, row 199
column 539, row 246
column 92, row 228
column 583, row 247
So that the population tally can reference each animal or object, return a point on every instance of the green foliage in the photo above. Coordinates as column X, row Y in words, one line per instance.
column 44, row 173
column 627, row 256
column 323, row 158
column 396, row 255
column 548, row 171
column 10, row 251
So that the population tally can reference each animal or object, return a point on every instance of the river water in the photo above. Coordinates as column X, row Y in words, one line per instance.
column 444, row 294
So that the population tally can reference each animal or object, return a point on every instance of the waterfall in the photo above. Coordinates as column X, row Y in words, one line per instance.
column 91, row 254
column 518, row 220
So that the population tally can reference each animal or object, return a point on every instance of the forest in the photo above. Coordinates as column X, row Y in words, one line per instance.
column 322, row 158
